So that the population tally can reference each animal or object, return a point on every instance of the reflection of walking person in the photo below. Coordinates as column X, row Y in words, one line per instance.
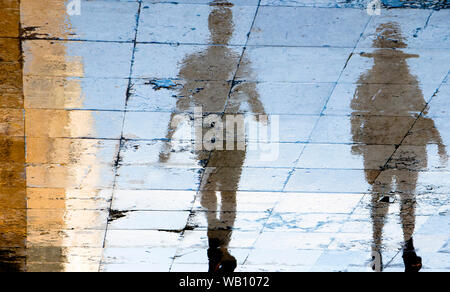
column 217, row 65
column 389, row 90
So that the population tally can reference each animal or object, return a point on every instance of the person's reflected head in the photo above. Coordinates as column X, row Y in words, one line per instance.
column 220, row 22
column 389, row 35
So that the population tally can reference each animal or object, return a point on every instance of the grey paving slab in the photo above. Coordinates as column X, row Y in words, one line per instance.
column 96, row 20
column 151, row 220
column 74, row 124
column 419, row 65
column 135, row 177
column 189, row 62
column 206, row 2
column 438, row 106
column 100, row 170
column 77, row 59
column 75, row 93
column 315, row 3
column 381, row 130
column 325, row 180
column 195, row 24
column 289, row 64
column 153, row 200
column 342, row 156
column 420, row 28
column 376, row 98
column 280, row 98
column 290, row 26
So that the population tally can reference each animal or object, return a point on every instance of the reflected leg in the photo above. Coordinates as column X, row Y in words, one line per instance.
column 407, row 182
column 220, row 228
column 379, row 210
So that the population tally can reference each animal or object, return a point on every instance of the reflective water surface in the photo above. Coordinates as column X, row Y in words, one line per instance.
column 99, row 137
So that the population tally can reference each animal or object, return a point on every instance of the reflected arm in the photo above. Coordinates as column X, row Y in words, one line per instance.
column 253, row 98
column 171, row 129
column 435, row 137
column 442, row 149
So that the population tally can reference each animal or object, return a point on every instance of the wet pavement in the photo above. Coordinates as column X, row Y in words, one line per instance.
column 99, row 130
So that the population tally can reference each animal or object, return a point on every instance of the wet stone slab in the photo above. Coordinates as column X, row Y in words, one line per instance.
column 330, row 180
column 74, row 93
column 279, row 98
column 420, row 28
column 341, row 156
column 438, row 106
column 192, row 24
column 208, row 2
column 151, row 220
column 343, row 101
column 317, row 3
column 288, row 26
column 146, row 200
column 77, row 59
column 102, row 124
column 281, row 64
column 189, row 62
column 143, row 178
column 99, row 167
column 418, row 66
column 98, row 20
column 173, row 95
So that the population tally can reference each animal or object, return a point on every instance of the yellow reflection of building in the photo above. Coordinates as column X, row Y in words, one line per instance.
column 13, row 224
column 47, row 186
column 61, row 171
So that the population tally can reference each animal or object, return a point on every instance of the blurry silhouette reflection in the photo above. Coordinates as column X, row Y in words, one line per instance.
column 223, row 168
column 390, row 89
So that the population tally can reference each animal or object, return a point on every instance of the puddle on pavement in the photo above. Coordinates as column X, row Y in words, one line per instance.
column 74, row 195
